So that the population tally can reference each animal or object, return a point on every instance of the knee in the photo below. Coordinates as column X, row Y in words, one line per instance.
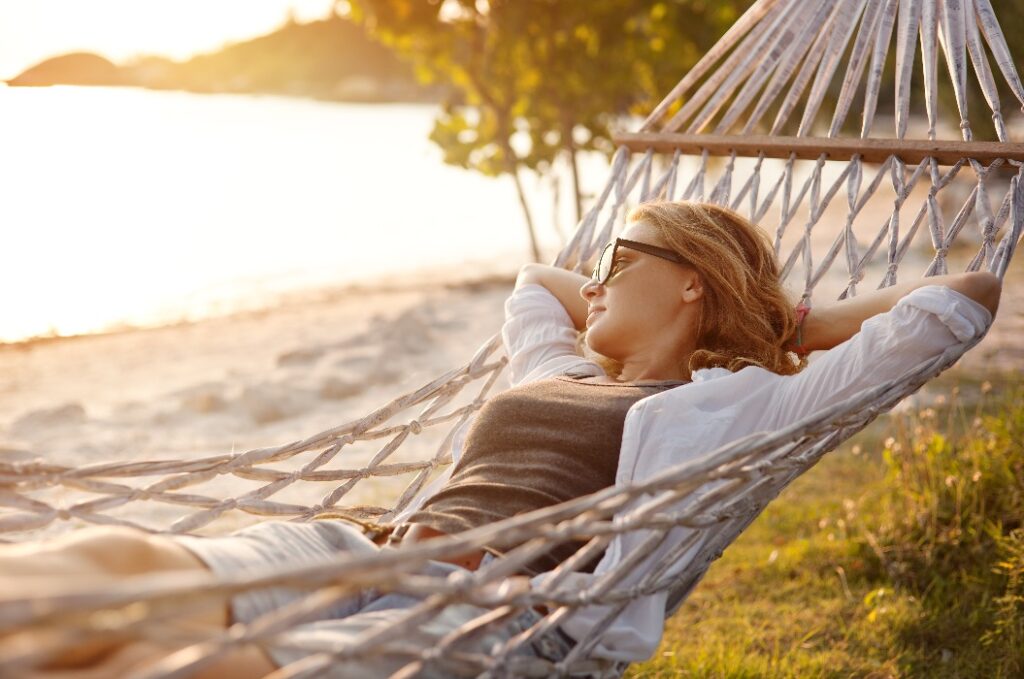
column 107, row 535
column 122, row 550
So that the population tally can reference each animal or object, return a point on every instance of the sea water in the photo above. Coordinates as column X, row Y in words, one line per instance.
column 124, row 206
column 127, row 206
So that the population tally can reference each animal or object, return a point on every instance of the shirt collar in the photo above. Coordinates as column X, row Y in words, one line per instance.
column 705, row 374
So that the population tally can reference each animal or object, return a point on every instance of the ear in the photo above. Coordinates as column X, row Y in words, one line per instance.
column 692, row 287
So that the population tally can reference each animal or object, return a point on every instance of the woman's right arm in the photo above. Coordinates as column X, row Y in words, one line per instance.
column 564, row 285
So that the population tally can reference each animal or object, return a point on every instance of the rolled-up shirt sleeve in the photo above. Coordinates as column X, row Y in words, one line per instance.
column 538, row 334
column 921, row 326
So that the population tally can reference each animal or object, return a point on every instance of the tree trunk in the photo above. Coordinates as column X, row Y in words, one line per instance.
column 570, row 149
column 504, row 130
column 556, row 208
column 514, row 171
column 575, row 180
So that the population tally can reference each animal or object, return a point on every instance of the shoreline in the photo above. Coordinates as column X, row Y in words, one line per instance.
column 240, row 380
column 314, row 295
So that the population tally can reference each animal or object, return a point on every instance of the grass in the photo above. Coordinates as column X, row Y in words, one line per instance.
column 899, row 555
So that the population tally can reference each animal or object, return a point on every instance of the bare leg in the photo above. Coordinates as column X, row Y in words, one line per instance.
column 242, row 663
column 98, row 556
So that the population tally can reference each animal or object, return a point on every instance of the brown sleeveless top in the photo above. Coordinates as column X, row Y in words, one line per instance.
column 533, row 446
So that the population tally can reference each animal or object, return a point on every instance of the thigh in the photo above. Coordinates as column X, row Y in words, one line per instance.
column 93, row 542
column 91, row 557
column 96, row 553
column 133, row 659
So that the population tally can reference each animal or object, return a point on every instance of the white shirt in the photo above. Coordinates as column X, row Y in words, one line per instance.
column 716, row 408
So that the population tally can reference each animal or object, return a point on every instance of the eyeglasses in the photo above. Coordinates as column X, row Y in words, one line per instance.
column 603, row 270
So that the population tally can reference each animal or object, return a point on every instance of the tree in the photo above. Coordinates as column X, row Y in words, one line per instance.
column 535, row 82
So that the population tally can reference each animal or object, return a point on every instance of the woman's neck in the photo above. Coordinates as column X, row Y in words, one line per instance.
column 651, row 375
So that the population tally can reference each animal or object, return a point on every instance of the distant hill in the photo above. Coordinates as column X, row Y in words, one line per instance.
column 327, row 59
column 79, row 68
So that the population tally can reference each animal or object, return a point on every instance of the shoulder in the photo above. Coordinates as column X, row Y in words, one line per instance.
column 712, row 391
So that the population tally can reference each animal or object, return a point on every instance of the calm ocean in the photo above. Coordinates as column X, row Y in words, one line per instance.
column 127, row 206
column 131, row 207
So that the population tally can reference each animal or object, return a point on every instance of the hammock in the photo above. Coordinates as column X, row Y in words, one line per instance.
column 706, row 141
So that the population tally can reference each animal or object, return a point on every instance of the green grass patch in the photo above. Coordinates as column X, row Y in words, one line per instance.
column 899, row 555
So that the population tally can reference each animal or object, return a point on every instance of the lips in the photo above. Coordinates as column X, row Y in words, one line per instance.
column 593, row 312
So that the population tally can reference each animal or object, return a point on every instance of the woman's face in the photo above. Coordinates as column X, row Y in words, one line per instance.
column 643, row 298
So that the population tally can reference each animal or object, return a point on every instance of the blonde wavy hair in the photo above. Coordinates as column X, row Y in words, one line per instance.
column 746, row 316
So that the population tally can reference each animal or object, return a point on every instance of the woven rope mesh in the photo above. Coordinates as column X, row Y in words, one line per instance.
column 840, row 225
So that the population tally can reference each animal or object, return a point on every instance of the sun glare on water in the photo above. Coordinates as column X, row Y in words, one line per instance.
column 129, row 206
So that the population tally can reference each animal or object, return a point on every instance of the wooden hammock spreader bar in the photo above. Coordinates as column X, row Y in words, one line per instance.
column 910, row 151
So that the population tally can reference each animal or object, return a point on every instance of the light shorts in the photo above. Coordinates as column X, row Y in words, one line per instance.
column 273, row 543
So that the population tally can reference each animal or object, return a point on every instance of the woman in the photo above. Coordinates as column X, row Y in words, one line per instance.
column 691, row 340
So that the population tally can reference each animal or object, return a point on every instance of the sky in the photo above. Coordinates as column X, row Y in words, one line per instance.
column 33, row 30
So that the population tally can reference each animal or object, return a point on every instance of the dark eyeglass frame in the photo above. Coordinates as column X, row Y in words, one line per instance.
column 610, row 250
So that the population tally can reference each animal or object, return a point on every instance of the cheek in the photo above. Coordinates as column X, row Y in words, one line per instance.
column 630, row 310
column 629, row 323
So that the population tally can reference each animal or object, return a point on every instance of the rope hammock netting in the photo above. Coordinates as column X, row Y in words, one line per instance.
column 738, row 130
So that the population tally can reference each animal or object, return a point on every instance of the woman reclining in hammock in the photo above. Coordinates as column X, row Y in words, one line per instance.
column 692, row 338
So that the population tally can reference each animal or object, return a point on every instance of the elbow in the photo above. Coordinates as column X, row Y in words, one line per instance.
column 532, row 273
column 984, row 288
column 529, row 273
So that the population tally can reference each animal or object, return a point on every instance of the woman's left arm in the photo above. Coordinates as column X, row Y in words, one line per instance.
column 828, row 326
column 879, row 337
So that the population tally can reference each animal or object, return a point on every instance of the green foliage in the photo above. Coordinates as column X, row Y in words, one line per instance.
column 900, row 554
column 1008, row 628
column 951, row 496
column 949, row 525
column 535, row 78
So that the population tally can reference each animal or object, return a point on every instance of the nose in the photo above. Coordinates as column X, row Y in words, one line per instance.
column 590, row 289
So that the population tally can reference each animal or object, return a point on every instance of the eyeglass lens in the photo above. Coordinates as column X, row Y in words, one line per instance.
column 604, row 263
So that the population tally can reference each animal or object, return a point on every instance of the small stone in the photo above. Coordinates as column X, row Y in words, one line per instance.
column 303, row 356
column 59, row 416
column 335, row 388
column 204, row 399
column 268, row 403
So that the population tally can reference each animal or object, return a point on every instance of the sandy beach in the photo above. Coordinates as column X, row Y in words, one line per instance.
column 257, row 379
column 238, row 382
